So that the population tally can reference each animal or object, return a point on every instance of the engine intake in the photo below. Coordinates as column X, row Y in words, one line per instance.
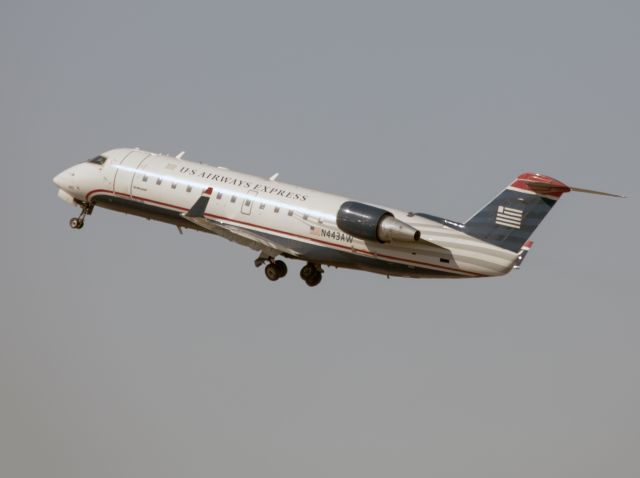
column 371, row 223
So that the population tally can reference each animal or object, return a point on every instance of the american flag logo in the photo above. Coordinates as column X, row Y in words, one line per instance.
column 314, row 230
column 509, row 217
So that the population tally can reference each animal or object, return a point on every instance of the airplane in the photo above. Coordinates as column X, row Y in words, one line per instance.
column 281, row 220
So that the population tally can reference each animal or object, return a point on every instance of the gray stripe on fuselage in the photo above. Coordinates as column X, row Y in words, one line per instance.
column 327, row 255
column 309, row 252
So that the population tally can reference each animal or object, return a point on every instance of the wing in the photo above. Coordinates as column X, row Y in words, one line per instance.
column 245, row 237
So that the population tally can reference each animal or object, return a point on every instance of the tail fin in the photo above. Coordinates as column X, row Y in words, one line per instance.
column 509, row 220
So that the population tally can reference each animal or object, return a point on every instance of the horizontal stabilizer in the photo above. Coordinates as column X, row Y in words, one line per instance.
column 545, row 185
column 590, row 191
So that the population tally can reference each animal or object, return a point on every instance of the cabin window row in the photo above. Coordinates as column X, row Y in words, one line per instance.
column 219, row 196
column 145, row 178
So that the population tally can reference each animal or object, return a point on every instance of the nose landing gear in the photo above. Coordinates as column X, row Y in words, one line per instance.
column 78, row 222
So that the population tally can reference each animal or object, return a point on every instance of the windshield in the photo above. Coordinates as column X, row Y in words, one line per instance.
column 97, row 160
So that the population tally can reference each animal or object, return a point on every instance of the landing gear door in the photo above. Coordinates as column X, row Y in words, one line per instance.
column 126, row 170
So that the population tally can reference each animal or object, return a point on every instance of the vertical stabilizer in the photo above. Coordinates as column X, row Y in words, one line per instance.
column 509, row 220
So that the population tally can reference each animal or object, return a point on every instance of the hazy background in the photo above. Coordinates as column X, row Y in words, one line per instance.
column 128, row 350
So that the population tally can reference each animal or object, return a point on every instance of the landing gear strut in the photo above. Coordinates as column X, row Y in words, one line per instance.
column 275, row 270
column 78, row 222
column 311, row 274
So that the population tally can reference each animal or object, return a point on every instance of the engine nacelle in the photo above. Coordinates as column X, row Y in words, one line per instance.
column 371, row 223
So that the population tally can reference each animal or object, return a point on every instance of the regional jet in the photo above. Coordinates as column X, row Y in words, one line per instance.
column 281, row 220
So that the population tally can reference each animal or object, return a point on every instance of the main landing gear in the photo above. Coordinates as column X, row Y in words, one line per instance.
column 275, row 270
column 78, row 222
column 311, row 274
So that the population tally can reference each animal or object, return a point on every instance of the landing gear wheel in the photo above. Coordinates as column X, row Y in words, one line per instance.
column 307, row 271
column 315, row 279
column 311, row 274
column 76, row 223
column 282, row 267
column 272, row 271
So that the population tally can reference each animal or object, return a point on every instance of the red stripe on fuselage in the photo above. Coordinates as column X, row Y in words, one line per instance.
column 278, row 231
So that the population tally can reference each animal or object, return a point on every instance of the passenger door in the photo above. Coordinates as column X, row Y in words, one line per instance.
column 125, row 172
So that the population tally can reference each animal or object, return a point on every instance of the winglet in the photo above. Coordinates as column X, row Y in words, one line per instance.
column 200, row 206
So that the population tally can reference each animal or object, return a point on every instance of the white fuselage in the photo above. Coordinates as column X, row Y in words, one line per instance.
column 300, row 222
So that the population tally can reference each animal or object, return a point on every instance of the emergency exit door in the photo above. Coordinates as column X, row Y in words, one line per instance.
column 247, row 204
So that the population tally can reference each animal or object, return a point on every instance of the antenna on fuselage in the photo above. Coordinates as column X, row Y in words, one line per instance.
column 180, row 155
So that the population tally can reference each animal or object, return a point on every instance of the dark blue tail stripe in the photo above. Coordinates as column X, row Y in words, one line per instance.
column 525, row 211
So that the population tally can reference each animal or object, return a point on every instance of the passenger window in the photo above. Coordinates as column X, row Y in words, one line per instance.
column 262, row 206
column 290, row 212
column 188, row 189
column 276, row 210
column 173, row 185
column 158, row 182
column 233, row 199
column 219, row 196
column 247, row 202
column 305, row 217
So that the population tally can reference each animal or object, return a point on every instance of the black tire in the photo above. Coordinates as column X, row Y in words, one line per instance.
column 74, row 222
column 282, row 267
column 307, row 271
column 315, row 279
column 272, row 271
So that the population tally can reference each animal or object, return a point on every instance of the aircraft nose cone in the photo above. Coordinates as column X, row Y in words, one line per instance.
column 57, row 180
column 64, row 180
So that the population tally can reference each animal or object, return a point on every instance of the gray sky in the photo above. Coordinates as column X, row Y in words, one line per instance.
column 128, row 350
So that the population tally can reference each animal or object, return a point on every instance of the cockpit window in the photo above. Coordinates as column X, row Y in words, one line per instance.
column 97, row 160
